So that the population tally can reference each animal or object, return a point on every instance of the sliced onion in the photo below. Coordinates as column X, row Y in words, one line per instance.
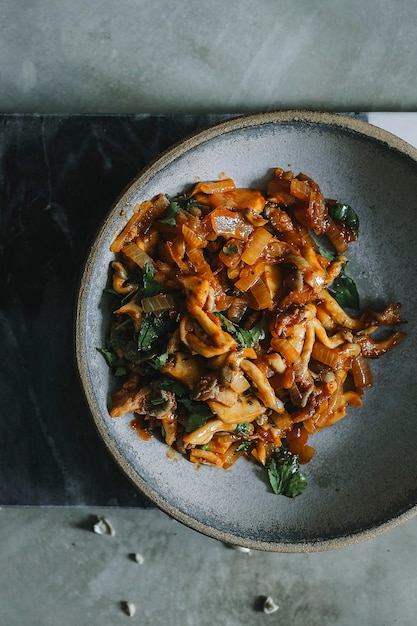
column 161, row 302
column 137, row 255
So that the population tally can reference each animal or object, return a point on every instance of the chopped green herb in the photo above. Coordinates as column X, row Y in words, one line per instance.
column 230, row 249
column 158, row 361
column 151, row 287
column 117, row 365
column 157, row 401
column 246, row 338
column 199, row 412
column 346, row 214
column 284, row 474
column 151, row 330
column 243, row 446
column 122, row 340
column 171, row 212
column 168, row 384
column 242, row 429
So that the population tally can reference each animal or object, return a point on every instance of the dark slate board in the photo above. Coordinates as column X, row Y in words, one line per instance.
column 59, row 176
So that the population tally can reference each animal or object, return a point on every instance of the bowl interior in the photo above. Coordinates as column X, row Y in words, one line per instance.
column 363, row 478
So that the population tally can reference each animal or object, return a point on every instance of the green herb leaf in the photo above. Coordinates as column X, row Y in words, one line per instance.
column 111, row 291
column 246, row 338
column 243, row 446
column 343, row 288
column 230, row 249
column 242, row 429
column 328, row 254
column 158, row 400
column 122, row 340
column 284, row 474
column 170, row 213
column 346, row 214
column 151, row 330
column 158, row 361
column 151, row 287
column 168, row 384
column 117, row 365
column 344, row 291
column 199, row 412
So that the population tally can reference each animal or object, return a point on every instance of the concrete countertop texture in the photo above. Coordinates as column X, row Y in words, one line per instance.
column 193, row 57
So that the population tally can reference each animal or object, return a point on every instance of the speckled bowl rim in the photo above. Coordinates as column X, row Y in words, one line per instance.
column 340, row 121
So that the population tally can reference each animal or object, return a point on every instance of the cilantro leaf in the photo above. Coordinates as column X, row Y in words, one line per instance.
column 243, row 446
column 158, row 361
column 242, row 429
column 116, row 364
column 199, row 412
column 122, row 341
column 170, row 213
column 246, row 338
column 346, row 214
column 151, row 287
column 284, row 474
column 152, row 329
column 230, row 249
column 168, row 384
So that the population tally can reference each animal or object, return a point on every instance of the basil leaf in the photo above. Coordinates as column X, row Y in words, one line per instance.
column 327, row 253
column 344, row 291
column 284, row 474
column 343, row 288
column 346, row 214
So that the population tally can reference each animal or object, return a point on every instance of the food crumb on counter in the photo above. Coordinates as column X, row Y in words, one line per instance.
column 138, row 558
column 269, row 606
column 129, row 608
column 103, row 527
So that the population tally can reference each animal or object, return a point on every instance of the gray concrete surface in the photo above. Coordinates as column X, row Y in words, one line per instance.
column 188, row 56
column 57, row 571
column 157, row 56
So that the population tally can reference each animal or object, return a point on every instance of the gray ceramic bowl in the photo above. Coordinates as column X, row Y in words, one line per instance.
column 363, row 479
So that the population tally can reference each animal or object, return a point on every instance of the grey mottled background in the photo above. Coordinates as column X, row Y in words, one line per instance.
column 189, row 56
